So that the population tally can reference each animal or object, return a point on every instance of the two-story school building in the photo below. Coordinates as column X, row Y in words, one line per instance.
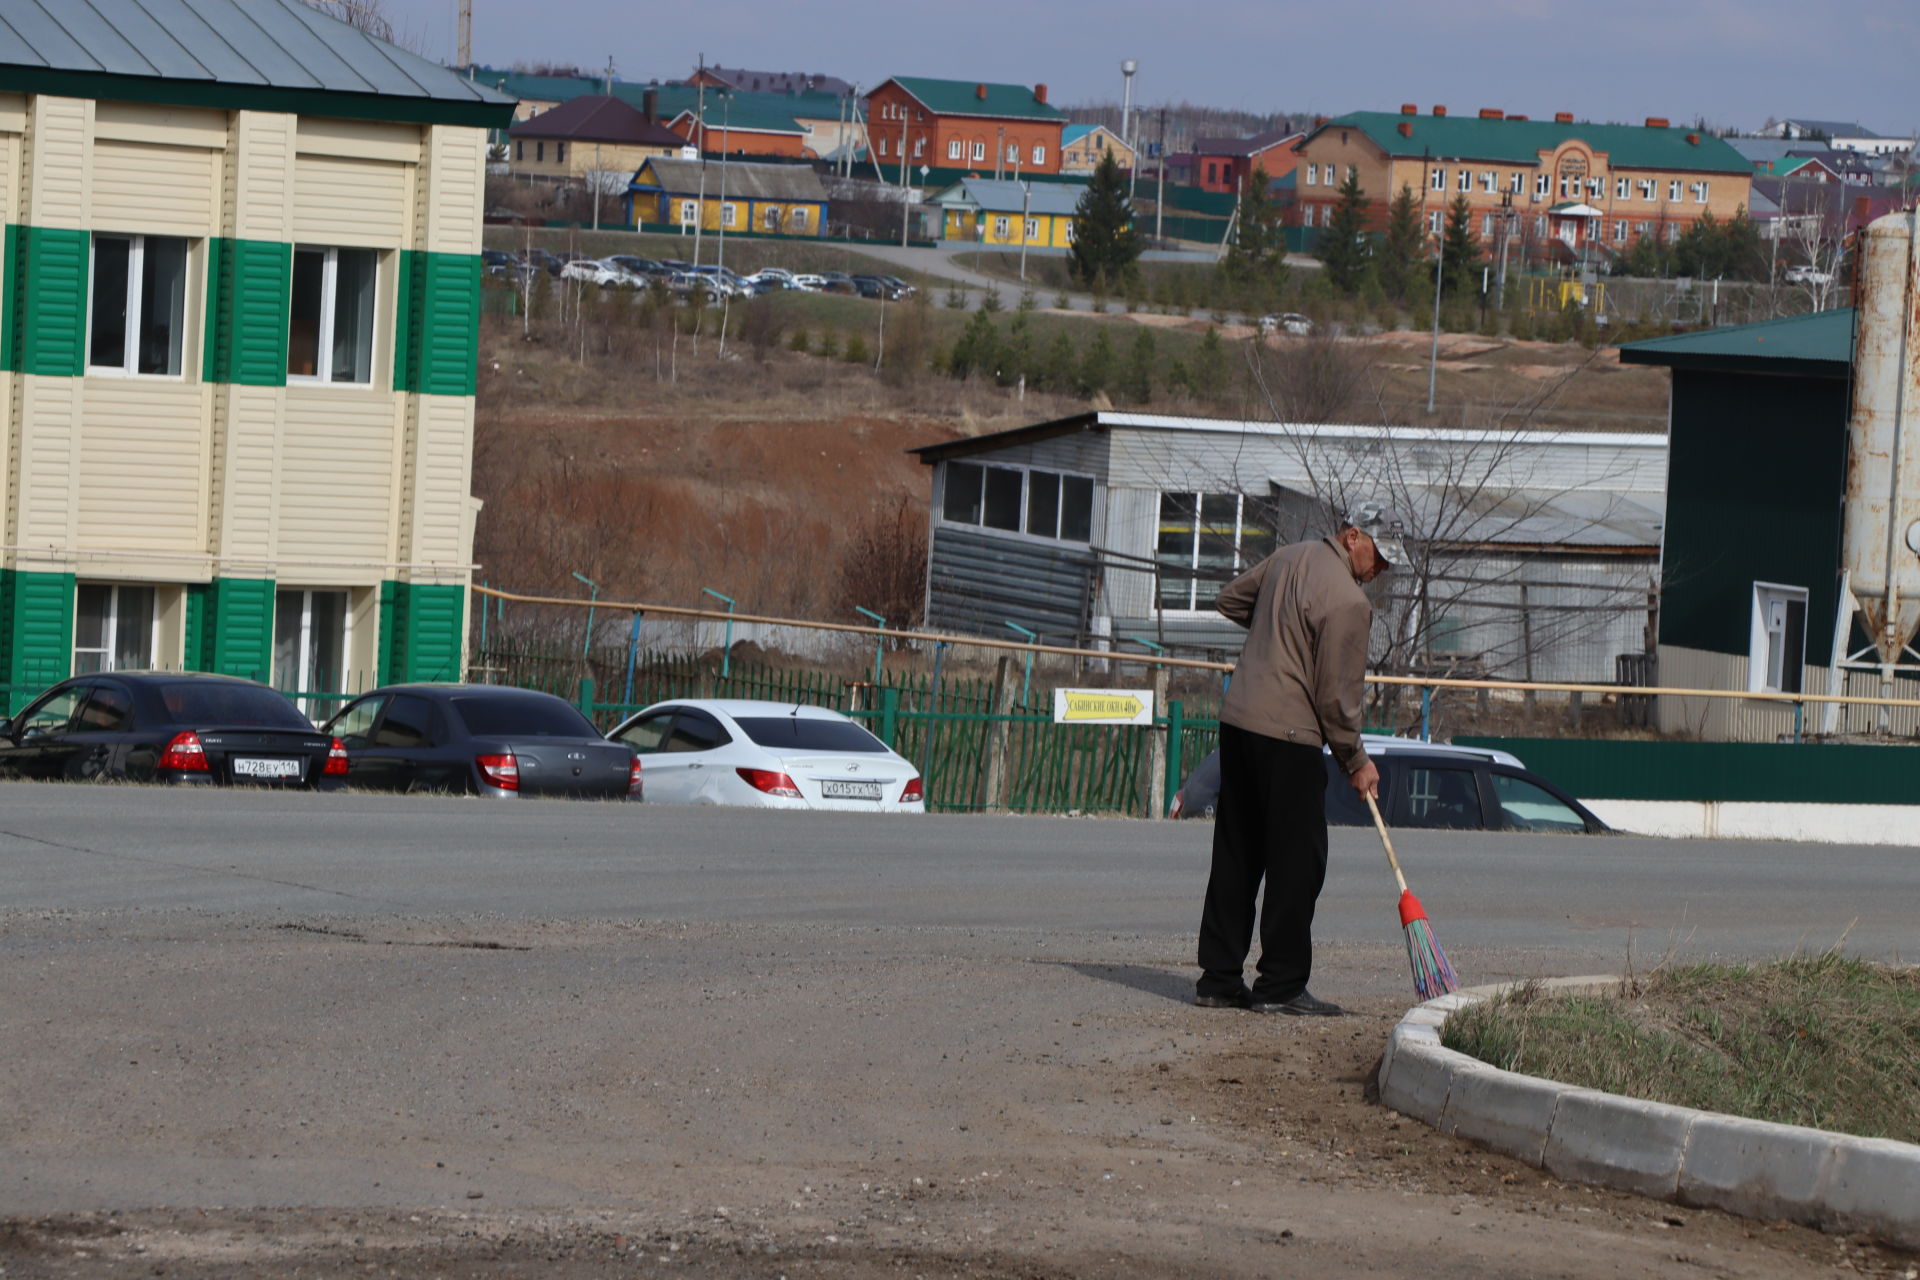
column 241, row 286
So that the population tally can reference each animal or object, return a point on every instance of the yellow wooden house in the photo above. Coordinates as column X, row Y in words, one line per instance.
column 767, row 199
column 1008, row 213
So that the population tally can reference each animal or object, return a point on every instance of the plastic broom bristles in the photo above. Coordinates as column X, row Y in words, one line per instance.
column 1432, row 975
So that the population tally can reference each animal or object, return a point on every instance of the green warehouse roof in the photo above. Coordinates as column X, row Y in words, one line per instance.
column 268, row 55
column 1820, row 344
column 962, row 98
column 1513, row 141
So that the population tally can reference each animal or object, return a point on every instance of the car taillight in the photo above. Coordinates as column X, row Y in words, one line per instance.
column 336, row 760
column 770, row 781
column 185, row 753
column 633, row 778
column 914, row 794
column 501, row 771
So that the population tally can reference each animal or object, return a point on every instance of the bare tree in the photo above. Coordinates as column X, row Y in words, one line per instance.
column 369, row 16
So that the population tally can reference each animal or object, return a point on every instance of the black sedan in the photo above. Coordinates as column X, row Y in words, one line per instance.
column 1428, row 784
column 478, row 739
column 168, row 726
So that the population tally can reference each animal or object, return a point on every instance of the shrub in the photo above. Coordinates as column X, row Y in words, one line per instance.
column 856, row 350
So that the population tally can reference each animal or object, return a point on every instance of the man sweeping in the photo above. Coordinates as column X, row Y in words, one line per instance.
column 1298, row 686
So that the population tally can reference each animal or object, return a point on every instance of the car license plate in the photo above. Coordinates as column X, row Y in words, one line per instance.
column 838, row 789
column 248, row 767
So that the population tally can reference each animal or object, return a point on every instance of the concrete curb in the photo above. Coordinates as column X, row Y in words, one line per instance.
column 1749, row 1167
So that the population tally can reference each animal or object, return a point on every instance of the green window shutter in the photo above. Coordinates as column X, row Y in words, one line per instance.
column 36, row 631
column 437, row 329
column 196, row 625
column 237, row 628
column 46, row 301
column 249, row 292
column 422, row 629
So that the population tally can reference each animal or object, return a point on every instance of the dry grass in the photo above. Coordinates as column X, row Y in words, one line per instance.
column 1827, row 1042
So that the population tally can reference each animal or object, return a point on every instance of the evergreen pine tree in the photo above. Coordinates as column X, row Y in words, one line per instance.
column 1059, row 364
column 1105, row 244
column 1209, row 369
column 1403, row 252
column 1096, row 364
column 1016, row 352
column 1344, row 246
column 1257, row 258
column 978, row 350
column 1460, row 275
column 1136, row 380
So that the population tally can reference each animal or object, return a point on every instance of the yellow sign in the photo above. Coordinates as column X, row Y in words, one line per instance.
column 1102, row 706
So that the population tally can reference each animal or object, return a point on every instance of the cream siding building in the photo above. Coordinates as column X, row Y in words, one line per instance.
column 237, row 346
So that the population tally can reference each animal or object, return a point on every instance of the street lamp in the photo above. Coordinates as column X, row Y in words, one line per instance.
column 726, row 654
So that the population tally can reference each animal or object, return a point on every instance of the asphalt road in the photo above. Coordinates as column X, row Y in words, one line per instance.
column 1572, row 901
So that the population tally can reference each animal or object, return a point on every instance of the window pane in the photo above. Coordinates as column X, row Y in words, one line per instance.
column 963, row 493
column 354, row 724
column 224, row 704
column 1076, row 509
column 644, row 735
column 163, row 303
column 1794, row 655
column 90, row 616
column 1043, row 503
column 806, row 733
column 108, row 709
column 408, row 723
column 327, row 642
column 53, row 714
column 353, row 316
column 303, row 327
column 1440, row 798
column 492, row 715
column 1532, row 808
column 133, row 629
column 107, row 344
column 1003, row 499
column 289, row 609
column 696, row 731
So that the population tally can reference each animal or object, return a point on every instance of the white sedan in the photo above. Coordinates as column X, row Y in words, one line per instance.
column 772, row 755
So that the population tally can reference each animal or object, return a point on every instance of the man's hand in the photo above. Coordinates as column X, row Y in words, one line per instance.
column 1366, row 780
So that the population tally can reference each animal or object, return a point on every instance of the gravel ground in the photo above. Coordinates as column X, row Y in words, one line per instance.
column 217, row 1096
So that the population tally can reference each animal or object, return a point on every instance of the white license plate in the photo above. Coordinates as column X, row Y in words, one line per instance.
column 836, row 789
column 248, row 767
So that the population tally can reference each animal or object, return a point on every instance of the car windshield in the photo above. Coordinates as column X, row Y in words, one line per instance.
column 808, row 733
column 501, row 715
column 218, row 703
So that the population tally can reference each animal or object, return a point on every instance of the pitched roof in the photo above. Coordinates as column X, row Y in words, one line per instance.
column 781, row 81
column 518, row 84
column 597, row 117
column 1074, row 132
column 745, row 181
column 1513, row 141
column 963, row 98
column 264, row 54
column 1832, row 128
column 737, row 109
column 1820, row 344
column 1244, row 146
column 1003, row 196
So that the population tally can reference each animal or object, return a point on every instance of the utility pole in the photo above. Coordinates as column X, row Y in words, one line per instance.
column 1160, row 192
column 1000, row 153
column 700, row 132
column 1127, row 69
column 1026, row 211
column 726, row 111
column 1433, row 355
column 906, row 114
column 466, row 34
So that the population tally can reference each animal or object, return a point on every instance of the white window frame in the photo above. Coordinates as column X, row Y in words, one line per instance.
column 129, row 366
column 1437, row 181
column 110, row 628
column 1673, row 190
column 979, row 151
column 1517, row 182
column 1619, row 230
column 799, row 219
column 1313, row 175
column 1001, row 226
column 729, row 213
column 1032, row 230
column 919, row 146
column 329, row 280
column 1464, row 182
column 1647, row 186
column 316, row 709
column 1039, row 153
column 953, row 148
column 1489, row 181
column 1013, row 153
column 689, row 212
column 770, row 217
column 1026, row 502
column 1241, row 563
column 1435, row 221
column 1542, row 183
column 1700, row 192
column 1770, row 602
column 1622, row 188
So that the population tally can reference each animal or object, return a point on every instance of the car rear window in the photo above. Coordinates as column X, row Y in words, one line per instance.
column 801, row 733
column 212, row 703
column 490, row 716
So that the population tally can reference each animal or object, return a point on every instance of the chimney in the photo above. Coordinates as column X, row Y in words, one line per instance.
column 1693, row 139
column 1656, row 122
column 1563, row 117
column 650, row 103
column 1409, row 109
column 1406, row 129
column 980, row 92
column 1516, row 117
column 1318, row 121
column 1040, row 94
column 1439, row 110
column 1492, row 113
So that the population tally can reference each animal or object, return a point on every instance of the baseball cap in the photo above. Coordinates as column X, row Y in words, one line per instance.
column 1386, row 526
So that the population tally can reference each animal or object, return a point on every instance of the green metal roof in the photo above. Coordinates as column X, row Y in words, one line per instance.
column 517, row 84
column 754, row 112
column 1521, row 141
column 962, row 98
column 1820, row 344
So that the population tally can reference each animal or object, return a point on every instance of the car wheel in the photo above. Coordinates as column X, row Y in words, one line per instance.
column 87, row 768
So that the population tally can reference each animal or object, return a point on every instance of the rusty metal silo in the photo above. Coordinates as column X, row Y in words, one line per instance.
column 1881, row 548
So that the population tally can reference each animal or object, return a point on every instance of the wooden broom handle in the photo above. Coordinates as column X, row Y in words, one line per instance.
column 1387, row 840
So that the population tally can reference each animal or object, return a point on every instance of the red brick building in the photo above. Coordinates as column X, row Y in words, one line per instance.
column 993, row 128
column 1223, row 164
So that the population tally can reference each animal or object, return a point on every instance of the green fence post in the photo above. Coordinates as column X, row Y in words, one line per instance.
column 889, row 713
column 1176, row 730
column 586, row 696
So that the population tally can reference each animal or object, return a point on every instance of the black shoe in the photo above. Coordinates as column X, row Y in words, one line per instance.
column 1241, row 999
column 1304, row 1005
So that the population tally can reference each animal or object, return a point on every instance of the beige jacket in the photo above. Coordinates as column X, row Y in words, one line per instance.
column 1302, row 675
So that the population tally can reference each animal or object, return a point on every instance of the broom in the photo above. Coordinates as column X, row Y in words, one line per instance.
column 1432, row 975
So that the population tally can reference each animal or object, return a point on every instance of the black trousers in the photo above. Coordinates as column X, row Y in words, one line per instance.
column 1270, row 822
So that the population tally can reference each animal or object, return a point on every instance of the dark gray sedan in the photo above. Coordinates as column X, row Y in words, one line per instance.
column 477, row 739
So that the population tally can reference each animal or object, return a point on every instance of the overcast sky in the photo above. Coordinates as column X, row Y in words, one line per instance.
column 1734, row 62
